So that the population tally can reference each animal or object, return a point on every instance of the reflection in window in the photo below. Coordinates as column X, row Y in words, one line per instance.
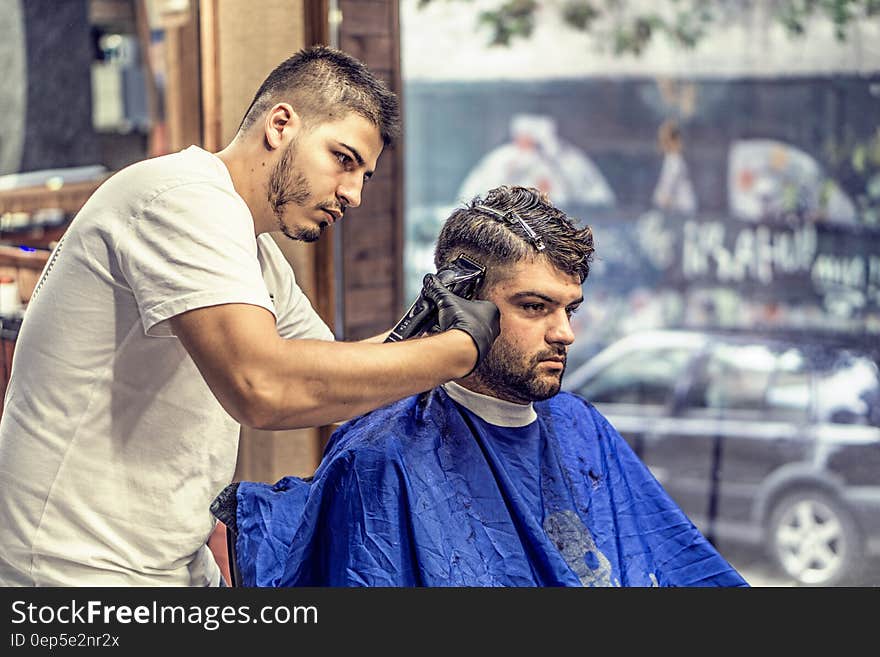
column 788, row 397
column 849, row 393
column 753, row 379
column 644, row 377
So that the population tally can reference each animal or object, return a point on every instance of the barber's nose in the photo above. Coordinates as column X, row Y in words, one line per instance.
column 349, row 192
column 560, row 330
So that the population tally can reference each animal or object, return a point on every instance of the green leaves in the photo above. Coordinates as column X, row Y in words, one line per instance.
column 630, row 27
column 515, row 18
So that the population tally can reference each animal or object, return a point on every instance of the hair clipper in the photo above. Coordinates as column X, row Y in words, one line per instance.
column 462, row 277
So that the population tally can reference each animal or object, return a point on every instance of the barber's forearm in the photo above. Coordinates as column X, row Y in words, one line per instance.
column 267, row 382
column 332, row 382
column 377, row 338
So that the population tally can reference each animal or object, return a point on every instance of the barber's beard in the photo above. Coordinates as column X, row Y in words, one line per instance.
column 510, row 375
column 288, row 185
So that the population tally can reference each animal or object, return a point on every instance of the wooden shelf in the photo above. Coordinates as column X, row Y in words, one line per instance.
column 38, row 237
column 13, row 256
column 68, row 198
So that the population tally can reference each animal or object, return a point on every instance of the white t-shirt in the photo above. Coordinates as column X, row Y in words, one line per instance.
column 112, row 446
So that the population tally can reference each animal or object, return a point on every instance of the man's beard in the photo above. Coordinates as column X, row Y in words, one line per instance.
column 511, row 376
column 288, row 185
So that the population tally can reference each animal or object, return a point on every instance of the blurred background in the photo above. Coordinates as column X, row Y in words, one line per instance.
column 727, row 157
column 726, row 154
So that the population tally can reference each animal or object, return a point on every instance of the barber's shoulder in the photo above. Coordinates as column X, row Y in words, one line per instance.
column 166, row 176
column 192, row 166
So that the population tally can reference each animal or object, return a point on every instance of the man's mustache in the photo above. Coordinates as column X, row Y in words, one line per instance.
column 551, row 354
column 336, row 208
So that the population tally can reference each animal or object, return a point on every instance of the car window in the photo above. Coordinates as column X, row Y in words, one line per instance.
column 788, row 396
column 645, row 377
column 751, row 381
column 849, row 393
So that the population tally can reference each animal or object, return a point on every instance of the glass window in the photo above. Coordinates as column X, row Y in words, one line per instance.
column 733, row 378
column 747, row 380
column 849, row 393
column 726, row 191
column 641, row 377
column 788, row 397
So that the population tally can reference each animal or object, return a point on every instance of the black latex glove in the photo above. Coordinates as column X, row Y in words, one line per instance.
column 479, row 319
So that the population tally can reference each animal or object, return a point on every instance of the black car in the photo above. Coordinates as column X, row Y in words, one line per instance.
column 765, row 440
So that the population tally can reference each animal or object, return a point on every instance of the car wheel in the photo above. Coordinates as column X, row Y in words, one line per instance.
column 814, row 539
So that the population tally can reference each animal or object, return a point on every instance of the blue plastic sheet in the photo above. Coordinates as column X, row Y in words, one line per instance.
column 425, row 493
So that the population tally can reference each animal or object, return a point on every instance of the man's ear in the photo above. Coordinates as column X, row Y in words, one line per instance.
column 280, row 120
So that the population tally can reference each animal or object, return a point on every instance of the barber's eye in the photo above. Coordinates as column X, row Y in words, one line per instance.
column 533, row 307
column 572, row 310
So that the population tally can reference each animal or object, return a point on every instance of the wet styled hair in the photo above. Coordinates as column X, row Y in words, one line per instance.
column 325, row 84
column 512, row 224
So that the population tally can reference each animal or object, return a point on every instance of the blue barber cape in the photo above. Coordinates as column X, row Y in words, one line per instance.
column 425, row 493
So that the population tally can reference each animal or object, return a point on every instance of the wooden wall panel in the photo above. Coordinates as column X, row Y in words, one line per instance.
column 375, row 309
column 379, row 49
column 256, row 37
column 371, row 18
column 183, row 81
column 372, row 252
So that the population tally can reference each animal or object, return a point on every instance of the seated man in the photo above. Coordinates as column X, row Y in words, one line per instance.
column 498, row 479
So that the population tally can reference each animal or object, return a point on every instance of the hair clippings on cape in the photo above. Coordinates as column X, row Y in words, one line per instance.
column 512, row 217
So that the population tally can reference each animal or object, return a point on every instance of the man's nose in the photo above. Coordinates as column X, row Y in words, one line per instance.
column 349, row 191
column 560, row 331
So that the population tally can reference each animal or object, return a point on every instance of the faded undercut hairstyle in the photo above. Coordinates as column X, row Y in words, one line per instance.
column 512, row 224
column 324, row 84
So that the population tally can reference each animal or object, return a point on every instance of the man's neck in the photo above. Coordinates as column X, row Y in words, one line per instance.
column 491, row 409
column 249, row 169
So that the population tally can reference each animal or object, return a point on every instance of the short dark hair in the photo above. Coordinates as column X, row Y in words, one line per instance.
column 485, row 236
column 325, row 84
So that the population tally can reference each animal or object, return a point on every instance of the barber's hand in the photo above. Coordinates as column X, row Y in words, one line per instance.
column 479, row 319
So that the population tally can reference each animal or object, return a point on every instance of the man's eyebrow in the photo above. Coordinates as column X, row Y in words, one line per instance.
column 357, row 157
column 540, row 295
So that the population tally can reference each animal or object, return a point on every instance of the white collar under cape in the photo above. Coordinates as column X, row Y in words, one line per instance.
column 491, row 409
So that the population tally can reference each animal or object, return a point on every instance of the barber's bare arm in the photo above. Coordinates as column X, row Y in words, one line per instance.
column 377, row 338
column 267, row 382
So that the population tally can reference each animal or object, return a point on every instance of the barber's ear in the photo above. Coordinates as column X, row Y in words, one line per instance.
column 281, row 121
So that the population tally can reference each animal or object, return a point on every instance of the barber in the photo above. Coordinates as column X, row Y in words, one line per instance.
column 167, row 317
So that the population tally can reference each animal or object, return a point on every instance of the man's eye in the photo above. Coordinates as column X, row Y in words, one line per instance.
column 572, row 310
column 533, row 307
column 343, row 158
